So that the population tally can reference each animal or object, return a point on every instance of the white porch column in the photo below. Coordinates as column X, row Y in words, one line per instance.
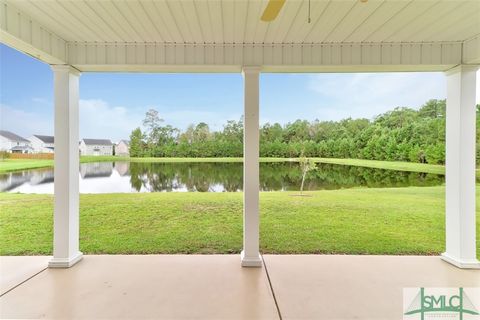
column 460, row 168
column 251, row 176
column 66, row 216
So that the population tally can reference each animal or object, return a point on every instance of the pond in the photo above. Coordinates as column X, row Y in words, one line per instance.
column 126, row 177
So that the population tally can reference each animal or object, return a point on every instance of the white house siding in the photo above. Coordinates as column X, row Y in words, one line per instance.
column 7, row 145
column 95, row 149
column 41, row 147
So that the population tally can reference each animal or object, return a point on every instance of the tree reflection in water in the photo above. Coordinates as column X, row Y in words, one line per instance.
column 204, row 177
column 123, row 176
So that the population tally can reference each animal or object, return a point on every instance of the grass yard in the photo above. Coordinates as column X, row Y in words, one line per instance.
column 349, row 221
column 8, row 165
column 390, row 165
column 22, row 164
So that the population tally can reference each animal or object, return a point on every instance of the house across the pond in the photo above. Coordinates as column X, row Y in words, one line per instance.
column 122, row 148
column 42, row 144
column 13, row 143
column 96, row 147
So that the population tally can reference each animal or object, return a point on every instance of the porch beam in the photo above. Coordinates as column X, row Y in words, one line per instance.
column 460, row 168
column 250, row 256
column 471, row 51
column 66, row 208
column 296, row 57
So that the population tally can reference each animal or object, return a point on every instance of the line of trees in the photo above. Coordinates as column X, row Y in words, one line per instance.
column 403, row 134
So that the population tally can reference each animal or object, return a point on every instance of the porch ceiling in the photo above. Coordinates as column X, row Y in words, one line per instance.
column 143, row 35
column 214, row 21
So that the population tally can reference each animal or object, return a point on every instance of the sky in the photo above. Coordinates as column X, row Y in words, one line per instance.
column 113, row 104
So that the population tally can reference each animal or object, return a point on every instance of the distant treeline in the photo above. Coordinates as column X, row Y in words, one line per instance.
column 403, row 134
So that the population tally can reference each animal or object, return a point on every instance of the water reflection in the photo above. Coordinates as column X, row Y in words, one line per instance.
column 12, row 181
column 111, row 177
column 96, row 170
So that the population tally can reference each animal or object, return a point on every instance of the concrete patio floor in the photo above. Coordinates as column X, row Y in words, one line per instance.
column 216, row 287
column 16, row 269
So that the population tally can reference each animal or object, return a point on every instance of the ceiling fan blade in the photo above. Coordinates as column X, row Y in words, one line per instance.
column 272, row 10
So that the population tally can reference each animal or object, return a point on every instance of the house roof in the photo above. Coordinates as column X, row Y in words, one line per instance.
column 102, row 142
column 45, row 139
column 12, row 136
column 127, row 142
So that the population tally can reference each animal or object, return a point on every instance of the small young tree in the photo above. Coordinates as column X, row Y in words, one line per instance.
column 306, row 164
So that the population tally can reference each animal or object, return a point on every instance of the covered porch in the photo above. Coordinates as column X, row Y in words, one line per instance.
column 288, row 287
column 228, row 36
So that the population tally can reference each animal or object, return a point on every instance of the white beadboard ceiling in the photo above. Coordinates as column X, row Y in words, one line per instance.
column 237, row 22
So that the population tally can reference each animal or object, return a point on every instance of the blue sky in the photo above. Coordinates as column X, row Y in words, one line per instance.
column 112, row 104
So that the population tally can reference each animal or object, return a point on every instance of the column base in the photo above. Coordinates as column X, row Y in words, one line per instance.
column 251, row 261
column 65, row 262
column 460, row 263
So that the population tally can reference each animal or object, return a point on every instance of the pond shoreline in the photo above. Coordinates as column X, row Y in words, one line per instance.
column 11, row 165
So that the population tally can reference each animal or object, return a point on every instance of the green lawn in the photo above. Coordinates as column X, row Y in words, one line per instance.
column 7, row 165
column 351, row 221
column 21, row 164
column 391, row 165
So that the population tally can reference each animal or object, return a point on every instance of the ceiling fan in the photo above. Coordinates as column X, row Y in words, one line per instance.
column 272, row 10
column 274, row 6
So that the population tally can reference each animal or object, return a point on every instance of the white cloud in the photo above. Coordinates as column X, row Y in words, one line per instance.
column 25, row 123
column 98, row 119
column 42, row 101
column 369, row 94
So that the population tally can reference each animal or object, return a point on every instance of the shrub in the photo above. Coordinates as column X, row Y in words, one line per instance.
column 4, row 155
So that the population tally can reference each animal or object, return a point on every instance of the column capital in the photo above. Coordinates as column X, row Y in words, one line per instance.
column 462, row 68
column 65, row 68
column 251, row 70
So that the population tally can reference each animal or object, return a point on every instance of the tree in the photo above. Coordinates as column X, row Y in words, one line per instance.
column 433, row 109
column 201, row 133
column 187, row 136
column 402, row 134
column 435, row 154
column 233, row 131
column 152, row 120
column 136, row 143
column 271, row 133
column 306, row 164
column 152, row 124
